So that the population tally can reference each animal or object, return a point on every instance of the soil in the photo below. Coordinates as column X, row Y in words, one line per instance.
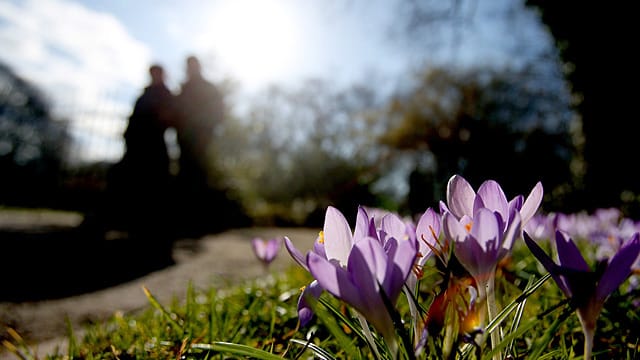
column 52, row 273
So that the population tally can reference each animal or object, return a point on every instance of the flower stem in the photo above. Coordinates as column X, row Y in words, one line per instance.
column 588, row 342
column 588, row 329
column 367, row 334
column 492, row 312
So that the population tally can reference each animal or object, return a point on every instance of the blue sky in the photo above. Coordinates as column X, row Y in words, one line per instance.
column 91, row 56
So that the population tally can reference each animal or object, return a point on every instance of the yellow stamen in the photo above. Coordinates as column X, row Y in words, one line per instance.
column 468, row 226
column 320, row 237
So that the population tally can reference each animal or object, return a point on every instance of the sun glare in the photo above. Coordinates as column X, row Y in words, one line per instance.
column 256, row 41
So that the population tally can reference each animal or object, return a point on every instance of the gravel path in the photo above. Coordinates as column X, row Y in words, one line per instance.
column 209, row 261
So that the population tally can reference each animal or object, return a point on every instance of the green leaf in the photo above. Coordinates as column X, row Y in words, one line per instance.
column 541, row 344
column 237, row 349
column 319, row 352
column 323, row 313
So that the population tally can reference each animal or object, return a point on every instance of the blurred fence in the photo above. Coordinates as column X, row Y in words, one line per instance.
column 95, row 130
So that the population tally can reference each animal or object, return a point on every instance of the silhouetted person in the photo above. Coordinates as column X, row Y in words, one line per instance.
column 200, row 110
column 146, row 154
column 138, row 186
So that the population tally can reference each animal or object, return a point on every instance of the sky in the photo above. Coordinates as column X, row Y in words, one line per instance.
column 91, row 56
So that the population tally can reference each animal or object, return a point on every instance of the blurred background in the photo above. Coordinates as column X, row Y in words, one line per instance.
column 328, row 102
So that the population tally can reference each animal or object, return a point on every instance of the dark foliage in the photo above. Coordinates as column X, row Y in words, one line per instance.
column 595, row 40
column 32, row 144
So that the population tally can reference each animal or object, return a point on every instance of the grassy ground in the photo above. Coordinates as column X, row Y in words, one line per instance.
column 257, row 319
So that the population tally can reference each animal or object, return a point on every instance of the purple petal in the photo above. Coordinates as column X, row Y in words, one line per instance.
column 273, row 247
column 318, row 247
column 259, row 247
column 568, row 254
column 513, row 232
column 337, row 235
column 428, row 225
column 363, row 224
column 410, row 229
column 365, row 259
column 334, row 279
column 368, row 252
column 295, row 253
column 493, row 198
column 532, row 203
column 453, row 228
column 265, row 250
column 402, row 258
column 516, row 203
column 548, row 264
column 477, row 255
column 368, row 300
column 619, row 267
column 486, row 229
column 393, row 226
column 460, row 196
column 474, row 258
column 443, row 207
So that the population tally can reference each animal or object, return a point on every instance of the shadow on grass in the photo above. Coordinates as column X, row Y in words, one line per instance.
column 125, row 237
column 57, row 262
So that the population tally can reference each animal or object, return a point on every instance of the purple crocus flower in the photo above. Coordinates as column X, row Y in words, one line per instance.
column 311, row 291
column 334, row 244
column 587, row 289
column 484, row 225
column 266, row 250
column 371, row 273
column 463, row 200
column 481, row 242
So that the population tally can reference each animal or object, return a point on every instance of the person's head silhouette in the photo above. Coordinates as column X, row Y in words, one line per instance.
column 193, row 67
column 157, row 74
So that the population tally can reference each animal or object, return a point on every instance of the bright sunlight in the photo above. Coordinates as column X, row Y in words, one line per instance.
column 255, row 40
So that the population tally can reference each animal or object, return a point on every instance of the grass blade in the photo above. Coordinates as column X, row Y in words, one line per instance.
column 237, row 349
column 164, row 311
column 318, row 351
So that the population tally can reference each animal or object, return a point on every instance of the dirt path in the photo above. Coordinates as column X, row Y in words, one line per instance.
column 209, row 261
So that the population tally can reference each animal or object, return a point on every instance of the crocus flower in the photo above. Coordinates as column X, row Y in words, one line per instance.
column 334, row 244
column 309, row 292
column 372, row 273
column 266, row 250
column 480, row 242
column 463, row 200
column 392, row 226
column 490, row 238
column 587, row 289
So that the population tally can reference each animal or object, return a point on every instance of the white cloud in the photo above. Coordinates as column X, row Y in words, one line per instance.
column 84, row 60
